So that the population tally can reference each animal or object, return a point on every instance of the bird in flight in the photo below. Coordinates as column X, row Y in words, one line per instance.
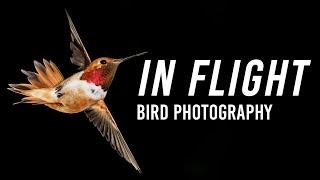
column 82, row 92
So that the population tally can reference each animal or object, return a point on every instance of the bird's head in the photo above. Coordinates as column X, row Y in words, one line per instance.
column 102, row 70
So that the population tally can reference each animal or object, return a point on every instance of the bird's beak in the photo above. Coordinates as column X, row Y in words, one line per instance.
column 129, row 57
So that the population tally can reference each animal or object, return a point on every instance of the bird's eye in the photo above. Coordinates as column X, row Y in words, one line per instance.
column 103, row 62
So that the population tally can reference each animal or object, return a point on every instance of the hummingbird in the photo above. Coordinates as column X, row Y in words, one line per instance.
column 84, row 91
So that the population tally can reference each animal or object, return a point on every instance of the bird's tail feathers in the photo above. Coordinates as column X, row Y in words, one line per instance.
column 47, row 75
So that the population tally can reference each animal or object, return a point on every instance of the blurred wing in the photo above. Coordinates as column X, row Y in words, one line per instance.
column 80, row 56
column 102, row 119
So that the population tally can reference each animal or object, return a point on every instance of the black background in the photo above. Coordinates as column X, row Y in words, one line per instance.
column 39, row 142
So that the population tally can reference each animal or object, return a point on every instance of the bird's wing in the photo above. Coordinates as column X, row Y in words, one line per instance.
column 80, row 56
column 102, row 119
